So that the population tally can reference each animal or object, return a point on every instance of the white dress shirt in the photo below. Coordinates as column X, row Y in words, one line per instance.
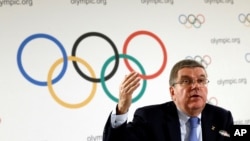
column 184, row 125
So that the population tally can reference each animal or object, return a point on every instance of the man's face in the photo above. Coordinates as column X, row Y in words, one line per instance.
column 190, row 90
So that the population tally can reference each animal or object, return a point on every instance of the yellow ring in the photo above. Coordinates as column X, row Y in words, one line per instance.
column 188, row 25
column 247, row 24
column 52, row 92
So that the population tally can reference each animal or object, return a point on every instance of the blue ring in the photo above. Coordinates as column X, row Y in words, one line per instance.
column 103, row 80
column 184, row 17
column 19, row 56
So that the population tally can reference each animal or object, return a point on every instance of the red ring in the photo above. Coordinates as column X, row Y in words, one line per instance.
column 213, row 98
column 125, row 46
column 203, row 18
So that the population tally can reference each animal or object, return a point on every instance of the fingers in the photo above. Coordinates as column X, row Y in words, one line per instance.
column 130, row 83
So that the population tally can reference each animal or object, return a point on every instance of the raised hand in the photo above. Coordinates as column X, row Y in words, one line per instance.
column 130, row 83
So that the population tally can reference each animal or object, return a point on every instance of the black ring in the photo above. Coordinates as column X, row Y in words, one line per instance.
column 112, row 45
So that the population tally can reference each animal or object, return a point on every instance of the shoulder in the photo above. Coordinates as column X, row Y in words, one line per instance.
column 165, row 105
column 216, row 111
column 210, row 107
column 162, row 108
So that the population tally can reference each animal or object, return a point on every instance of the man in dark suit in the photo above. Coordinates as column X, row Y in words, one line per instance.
column 170, row 121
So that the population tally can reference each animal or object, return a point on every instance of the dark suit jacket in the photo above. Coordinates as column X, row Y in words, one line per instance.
column 161, row 123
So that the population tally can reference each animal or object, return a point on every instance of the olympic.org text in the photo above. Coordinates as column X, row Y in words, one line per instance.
column 157, row 2
column 94, row 138
column 232, row 81
column 88, row 2
column 218, row 41
column 16, row 2
column 219, row 1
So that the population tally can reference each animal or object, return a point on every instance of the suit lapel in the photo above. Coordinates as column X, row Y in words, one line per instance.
column 172, row 120
column 209, row 129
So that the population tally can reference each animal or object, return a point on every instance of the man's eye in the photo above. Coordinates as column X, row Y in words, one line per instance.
column 186, row 81
column 201, row 81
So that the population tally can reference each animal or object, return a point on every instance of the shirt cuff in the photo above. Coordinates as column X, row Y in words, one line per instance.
column 118, row 120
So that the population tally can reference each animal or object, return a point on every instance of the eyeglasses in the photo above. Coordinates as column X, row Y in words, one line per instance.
column 189, row 82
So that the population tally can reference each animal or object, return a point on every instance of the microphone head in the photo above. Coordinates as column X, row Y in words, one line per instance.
column 224, row 133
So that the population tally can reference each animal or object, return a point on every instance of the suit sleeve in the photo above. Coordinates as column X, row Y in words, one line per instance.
column 132, row 131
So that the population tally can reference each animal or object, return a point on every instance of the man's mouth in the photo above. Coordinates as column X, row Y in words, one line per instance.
column 195, row 96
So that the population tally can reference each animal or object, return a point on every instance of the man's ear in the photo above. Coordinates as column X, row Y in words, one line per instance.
column 172, row 92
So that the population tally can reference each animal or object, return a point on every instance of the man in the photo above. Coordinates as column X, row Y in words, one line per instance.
column 170, row 121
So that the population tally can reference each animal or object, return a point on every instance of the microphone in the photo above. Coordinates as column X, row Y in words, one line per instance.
column 223, row 133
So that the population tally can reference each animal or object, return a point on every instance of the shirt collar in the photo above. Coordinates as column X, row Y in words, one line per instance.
column 183, row 118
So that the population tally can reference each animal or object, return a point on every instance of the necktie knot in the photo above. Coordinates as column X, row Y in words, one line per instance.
column 194, row 121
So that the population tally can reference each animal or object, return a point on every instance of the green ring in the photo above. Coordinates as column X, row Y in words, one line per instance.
column 103, row 80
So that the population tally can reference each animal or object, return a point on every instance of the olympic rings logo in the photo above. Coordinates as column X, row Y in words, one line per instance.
column 245, row 19
column 247, row 57
column 205, row 60
column 192, row 20
column 213, row 100
column 75, row 60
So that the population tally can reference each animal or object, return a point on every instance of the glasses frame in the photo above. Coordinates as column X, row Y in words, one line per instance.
column 189, row 82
